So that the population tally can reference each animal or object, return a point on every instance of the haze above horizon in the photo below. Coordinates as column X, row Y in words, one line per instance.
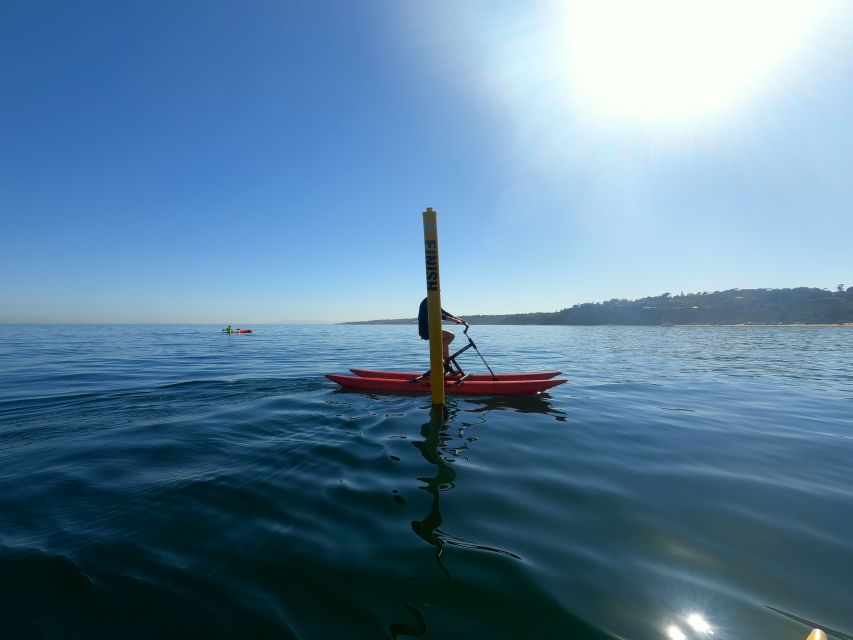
column 266, row 163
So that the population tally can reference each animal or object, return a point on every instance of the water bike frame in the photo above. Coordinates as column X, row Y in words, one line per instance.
column 451, row 366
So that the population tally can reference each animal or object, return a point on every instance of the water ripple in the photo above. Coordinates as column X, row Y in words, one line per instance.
column 195, row 486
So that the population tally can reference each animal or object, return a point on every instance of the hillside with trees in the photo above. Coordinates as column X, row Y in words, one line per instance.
column 802, row 305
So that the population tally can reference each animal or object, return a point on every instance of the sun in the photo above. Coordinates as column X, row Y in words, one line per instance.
column 678, row 62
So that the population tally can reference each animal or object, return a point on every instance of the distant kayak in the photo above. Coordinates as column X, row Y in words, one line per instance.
column 237, row 331
column 466, row 386
column 407, row 375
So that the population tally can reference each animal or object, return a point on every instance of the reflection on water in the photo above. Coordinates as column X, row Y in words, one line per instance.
column 427, row 528
column 701, row 627
column 431, row 448
column 522, row 404
column 437, row 450
column 699, row 623
column 539, row 403
column 418, row 630
column 696, row 622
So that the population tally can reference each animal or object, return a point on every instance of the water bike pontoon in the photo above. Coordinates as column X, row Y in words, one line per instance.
column 456, row 381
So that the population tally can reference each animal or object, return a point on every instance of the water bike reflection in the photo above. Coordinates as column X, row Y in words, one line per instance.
column 522, row 404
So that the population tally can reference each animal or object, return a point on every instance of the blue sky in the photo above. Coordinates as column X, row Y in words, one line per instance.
column 269, row 161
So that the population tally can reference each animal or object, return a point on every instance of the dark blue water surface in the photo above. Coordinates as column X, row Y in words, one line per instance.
column 175, row 482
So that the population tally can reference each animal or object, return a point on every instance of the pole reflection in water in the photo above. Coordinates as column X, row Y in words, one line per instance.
column 440, row 448
column 427, row 529
column 435, row 446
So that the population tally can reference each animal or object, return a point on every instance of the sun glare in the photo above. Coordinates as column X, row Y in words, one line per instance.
column 699, row 624
column 676, row 62
column 674, row 633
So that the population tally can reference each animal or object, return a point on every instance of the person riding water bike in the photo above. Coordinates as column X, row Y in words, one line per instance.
column 446, row 336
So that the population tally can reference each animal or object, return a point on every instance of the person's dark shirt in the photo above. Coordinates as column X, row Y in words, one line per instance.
column 423, row 319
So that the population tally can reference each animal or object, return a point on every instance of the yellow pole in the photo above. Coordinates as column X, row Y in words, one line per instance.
column 436, row 361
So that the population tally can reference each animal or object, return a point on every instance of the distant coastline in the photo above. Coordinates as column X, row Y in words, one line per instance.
column 802, row 306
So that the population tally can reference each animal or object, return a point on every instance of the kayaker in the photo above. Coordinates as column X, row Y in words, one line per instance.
column 228, row 329
column 446, row 336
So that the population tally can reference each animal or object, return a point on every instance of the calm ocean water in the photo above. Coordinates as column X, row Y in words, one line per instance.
column 175, row 482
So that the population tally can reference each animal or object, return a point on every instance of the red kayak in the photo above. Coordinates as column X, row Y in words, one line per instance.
column 465, row 387
column 405, row 375
column 237, row 331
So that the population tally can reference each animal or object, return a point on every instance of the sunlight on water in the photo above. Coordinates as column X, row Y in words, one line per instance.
column 675, row 633
column 699, row 624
